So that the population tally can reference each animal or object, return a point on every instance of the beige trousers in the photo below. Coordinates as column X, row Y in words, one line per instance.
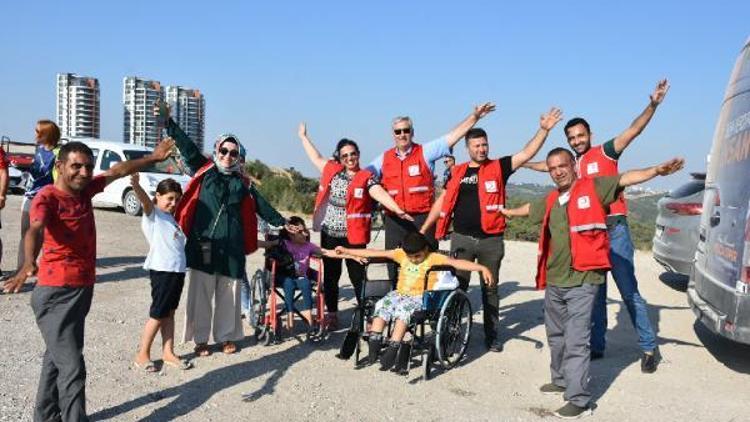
column 213, row 307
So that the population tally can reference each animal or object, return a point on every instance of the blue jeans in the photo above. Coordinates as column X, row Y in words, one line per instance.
column 301, row 283
column 623, row 271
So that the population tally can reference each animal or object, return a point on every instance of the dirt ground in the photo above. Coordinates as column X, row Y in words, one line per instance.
column 702, row 377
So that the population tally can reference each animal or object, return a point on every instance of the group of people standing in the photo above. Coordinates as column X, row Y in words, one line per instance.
column 584, row 234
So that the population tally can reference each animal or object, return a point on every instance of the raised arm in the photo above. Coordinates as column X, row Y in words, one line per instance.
column 365, row 253
column 265, row 210
column 318, row 160
column 634, row 177
column 546, row 122
column 434, row 214
column 460, row 130
column 162, row 151
column 536, row 166
column 32, row 244
column 625, row 138
column 464, row 265
column 146, row 203
column 193, row 156
column 379, row 194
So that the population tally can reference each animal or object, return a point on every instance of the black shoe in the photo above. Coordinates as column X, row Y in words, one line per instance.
column 388, row 358
column 347, row 347
column 551, row 388
column 596, row 355
column 650, row 361
column 494, row 345
column 374, row 344
column 571, row 411
column 402, row 360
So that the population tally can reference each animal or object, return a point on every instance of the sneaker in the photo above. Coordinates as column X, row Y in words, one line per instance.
column 551, row 388
column 650, row 361
column 494, row 345
column 596, row 355
column 389, row 356
column 571, row 411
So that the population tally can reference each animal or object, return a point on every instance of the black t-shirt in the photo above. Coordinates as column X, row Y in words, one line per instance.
column 467, row 217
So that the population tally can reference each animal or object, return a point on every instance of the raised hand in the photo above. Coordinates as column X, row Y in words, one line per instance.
column 672, row 166
column 161, row 112
column 302, row 130
column 483, row 110
column 550, row 119
column 135, row 179
column 163, row 149
column 659, row 92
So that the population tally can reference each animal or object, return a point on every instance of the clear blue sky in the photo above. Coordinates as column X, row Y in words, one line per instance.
column 348, row 67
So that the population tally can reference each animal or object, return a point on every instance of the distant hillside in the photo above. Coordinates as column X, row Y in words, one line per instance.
column 289, row 190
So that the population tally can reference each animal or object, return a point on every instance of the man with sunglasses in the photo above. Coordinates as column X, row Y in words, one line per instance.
column 218, row 215
column 406, row 173
column 449, row 161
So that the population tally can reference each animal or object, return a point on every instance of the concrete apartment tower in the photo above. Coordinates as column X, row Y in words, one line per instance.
column 188, row 110
column 77, row 105
column 139, row 124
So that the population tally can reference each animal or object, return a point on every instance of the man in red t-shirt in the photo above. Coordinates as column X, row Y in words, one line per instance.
column 66, row 273
column 4, row 179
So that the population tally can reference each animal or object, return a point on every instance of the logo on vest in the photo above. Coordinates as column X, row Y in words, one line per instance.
column 414, row 170
column 592, row 168
column 359, row 193
column 584, row 202
column 490, row 186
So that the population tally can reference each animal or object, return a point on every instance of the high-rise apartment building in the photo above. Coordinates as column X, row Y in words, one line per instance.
column 188, row 111
column 139, row 97
column 77, row 105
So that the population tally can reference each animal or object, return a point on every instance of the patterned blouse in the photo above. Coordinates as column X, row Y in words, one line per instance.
column 334, row 221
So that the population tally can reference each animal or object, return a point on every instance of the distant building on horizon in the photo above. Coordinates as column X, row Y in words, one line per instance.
column 188, row 111
column 77, row 105
column 139, row 97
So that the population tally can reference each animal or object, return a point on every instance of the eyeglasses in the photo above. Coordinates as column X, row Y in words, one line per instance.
column 350, row 154
column 232, row 152
column 406, row 130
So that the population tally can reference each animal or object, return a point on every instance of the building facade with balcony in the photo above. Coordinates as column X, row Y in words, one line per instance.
column 77, row 105
column 139, row 123
column 188, row 110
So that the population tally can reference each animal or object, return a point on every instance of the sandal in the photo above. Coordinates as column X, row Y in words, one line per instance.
column 146, row 366
column 182, row 364
column 228, row 347
column 202, row 350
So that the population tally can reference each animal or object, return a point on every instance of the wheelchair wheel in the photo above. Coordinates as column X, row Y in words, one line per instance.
column 453, row 329
column 258, row 291
column 427, row 360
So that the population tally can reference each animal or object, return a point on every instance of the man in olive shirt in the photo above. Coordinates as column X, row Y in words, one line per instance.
column 573, row 279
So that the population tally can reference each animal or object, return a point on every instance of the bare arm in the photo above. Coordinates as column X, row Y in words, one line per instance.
column 328, row 253
column 626, row 137
column 146, row 203
column 162, row 151
column 464, row 265
column 522, row 211
column 312, row 153
column 365, row 253
column 4, row 180
column 536, row 166
column 379, row 194
column 31, row 247
column 434, row 214
column 546, row 123
column 460, row 130
column 634, row 177
column 267, row 243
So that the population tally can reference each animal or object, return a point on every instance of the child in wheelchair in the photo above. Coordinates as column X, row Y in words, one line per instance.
column 414, row 258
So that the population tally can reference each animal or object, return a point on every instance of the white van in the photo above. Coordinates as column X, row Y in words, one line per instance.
column 119, row 193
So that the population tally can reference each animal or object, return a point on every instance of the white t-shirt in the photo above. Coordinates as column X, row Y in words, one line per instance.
column 167, row 241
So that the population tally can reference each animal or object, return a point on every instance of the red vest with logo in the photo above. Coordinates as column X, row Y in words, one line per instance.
column 358, row 203
column 589, row 239
column 595, row 163
column 185, row 210
column 491, row 190
column 408, row 181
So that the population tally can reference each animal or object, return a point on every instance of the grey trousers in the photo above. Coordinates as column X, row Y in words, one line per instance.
column 395, row 231
column 488, row 252
column 567, row 319
column 61, row 315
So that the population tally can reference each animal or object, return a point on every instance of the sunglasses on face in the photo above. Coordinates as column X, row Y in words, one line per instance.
column 350, row 154
column 406, row 131
column 232, row 152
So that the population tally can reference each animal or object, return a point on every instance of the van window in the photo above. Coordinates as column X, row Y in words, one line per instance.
column 110, row 158
column 687, row 189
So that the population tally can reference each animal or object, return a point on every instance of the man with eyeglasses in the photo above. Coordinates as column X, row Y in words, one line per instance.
column 473, row 200
column 406, row 173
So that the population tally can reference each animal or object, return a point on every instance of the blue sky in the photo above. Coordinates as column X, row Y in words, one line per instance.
column 346, row 68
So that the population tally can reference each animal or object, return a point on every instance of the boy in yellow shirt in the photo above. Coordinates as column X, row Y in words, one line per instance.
column 415, row 258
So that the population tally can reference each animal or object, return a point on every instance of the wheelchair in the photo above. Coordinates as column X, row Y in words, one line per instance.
column 440, row 332
column 266, row 293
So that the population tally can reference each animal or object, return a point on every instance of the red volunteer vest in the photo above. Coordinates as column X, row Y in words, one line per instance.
column 491, row 191
column 408, row 181
column 589, row 239
column 358, row 203
column 185, row 210
column 595, row 163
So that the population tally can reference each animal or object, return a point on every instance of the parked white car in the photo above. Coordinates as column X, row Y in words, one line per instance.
column 119, row 193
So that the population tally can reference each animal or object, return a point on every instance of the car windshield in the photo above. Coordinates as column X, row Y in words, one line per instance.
column 168, row 166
